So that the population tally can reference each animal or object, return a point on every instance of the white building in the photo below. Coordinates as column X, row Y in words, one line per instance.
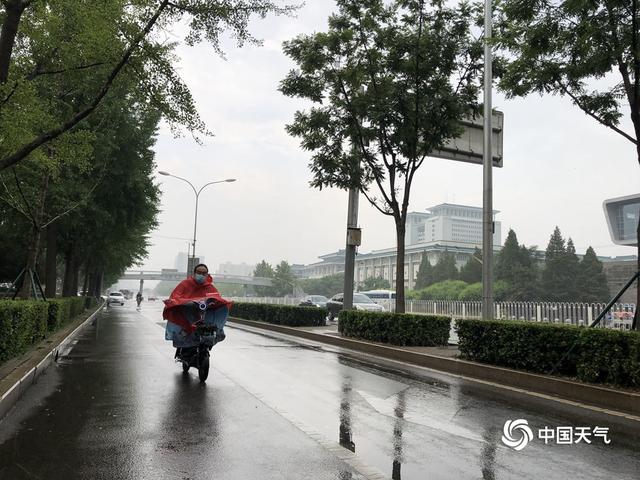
column 456, row 229
column 331, row 264
column 450, row 223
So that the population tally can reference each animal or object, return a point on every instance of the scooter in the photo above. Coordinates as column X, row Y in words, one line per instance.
column 207, row 335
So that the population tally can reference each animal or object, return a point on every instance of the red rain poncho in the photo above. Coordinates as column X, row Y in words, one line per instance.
column 189, row 291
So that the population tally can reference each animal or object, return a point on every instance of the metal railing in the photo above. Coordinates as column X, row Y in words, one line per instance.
column 570, row 313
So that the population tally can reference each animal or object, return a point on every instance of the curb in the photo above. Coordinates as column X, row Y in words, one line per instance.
column 558, row 389
column 13, row 394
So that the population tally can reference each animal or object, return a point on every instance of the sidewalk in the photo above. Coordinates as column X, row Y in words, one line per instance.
column 618, row 402
column 19, row 373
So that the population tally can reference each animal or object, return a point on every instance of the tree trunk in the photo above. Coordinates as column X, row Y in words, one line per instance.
column 51, row 273
column 636, row 318
column 85, row 284
column 400, row 235
column 68, row 274
column 34, row 242
column 75, row 265
column 8, row 32
column 99, row 281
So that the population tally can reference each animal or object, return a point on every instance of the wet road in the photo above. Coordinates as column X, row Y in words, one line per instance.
column 117, row 407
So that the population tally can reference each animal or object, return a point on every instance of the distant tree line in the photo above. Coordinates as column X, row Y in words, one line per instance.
column 519, row 274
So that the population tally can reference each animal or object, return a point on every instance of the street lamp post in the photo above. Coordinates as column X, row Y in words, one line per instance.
column 197, row 194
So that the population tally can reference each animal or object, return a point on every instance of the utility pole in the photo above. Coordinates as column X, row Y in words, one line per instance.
column 487, row 162
column 353, row 240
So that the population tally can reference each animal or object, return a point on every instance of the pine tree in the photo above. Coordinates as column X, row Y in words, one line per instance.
column 556, row 278
column 508, row 258
column 516, row 268
column 425, row 273
column 592, row 281
column 572, row 271
column 445, row 269
column 471, row 272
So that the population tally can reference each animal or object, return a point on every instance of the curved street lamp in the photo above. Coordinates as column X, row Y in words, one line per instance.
column 197, row 193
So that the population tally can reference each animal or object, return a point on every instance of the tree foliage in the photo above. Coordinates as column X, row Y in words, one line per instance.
column 327, row 286
column 264, row 269
column 283, row 279
column 445, row 268
column 47, row 48
column 471, row 272
column 592, row 280
column 375, row 283
column 390, row 82
column 515, row 265
column 425, row 273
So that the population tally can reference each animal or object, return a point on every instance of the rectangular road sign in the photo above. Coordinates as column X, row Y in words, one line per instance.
column 468, row 147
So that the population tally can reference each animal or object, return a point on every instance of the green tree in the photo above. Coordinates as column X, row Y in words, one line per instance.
column 375, row 283
column 327, row 286
column 515, row 265
column 586, row 51
column 264, row 269
column 445, row 290
column 471, row 272
column 60, row 40
column 572, row 267
column 392, row 81
column 592, row 281
column 445, row 268
column 557, row 279
column 283, row 279
column 425, row 273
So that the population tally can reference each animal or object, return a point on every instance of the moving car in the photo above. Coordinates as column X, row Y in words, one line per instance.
column 314, row 301
column 115, row 297
column 360, row 302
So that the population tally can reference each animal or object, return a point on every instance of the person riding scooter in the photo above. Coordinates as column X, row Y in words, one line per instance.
column 183, row 310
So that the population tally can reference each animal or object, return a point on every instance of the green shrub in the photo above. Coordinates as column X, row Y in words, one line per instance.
column 22, row 323
column 395, row 328
column 280, row 314
column 59, row 313
column 25, row 322
column 601, row 356
column 471, row 292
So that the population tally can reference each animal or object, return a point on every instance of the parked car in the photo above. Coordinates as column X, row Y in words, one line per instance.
column 115, row 297
column 151, row 298
column 360, row 302
column 314, row 301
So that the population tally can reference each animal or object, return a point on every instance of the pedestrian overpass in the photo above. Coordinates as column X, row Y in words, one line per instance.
column 174, row 275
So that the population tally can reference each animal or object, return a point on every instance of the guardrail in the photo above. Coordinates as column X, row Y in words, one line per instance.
column 570, row 313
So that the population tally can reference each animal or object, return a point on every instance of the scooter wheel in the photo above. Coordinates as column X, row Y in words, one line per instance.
column 203, row 370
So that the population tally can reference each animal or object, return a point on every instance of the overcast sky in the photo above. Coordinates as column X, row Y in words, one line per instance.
column 559, row 166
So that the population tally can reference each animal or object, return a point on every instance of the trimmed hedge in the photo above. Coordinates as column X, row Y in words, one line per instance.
column 599, row 355
column 22, row 323
column 402, row 329
column 25, row 322
column 280, row 314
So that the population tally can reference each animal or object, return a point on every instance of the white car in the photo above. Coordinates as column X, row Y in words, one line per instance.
column 115, row 297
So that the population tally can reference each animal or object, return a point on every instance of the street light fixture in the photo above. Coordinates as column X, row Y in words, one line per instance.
column 197, row 193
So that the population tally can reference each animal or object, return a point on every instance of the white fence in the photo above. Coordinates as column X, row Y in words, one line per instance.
column 619, row 317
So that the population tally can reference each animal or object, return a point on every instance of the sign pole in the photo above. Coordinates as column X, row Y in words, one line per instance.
column 487, row 157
